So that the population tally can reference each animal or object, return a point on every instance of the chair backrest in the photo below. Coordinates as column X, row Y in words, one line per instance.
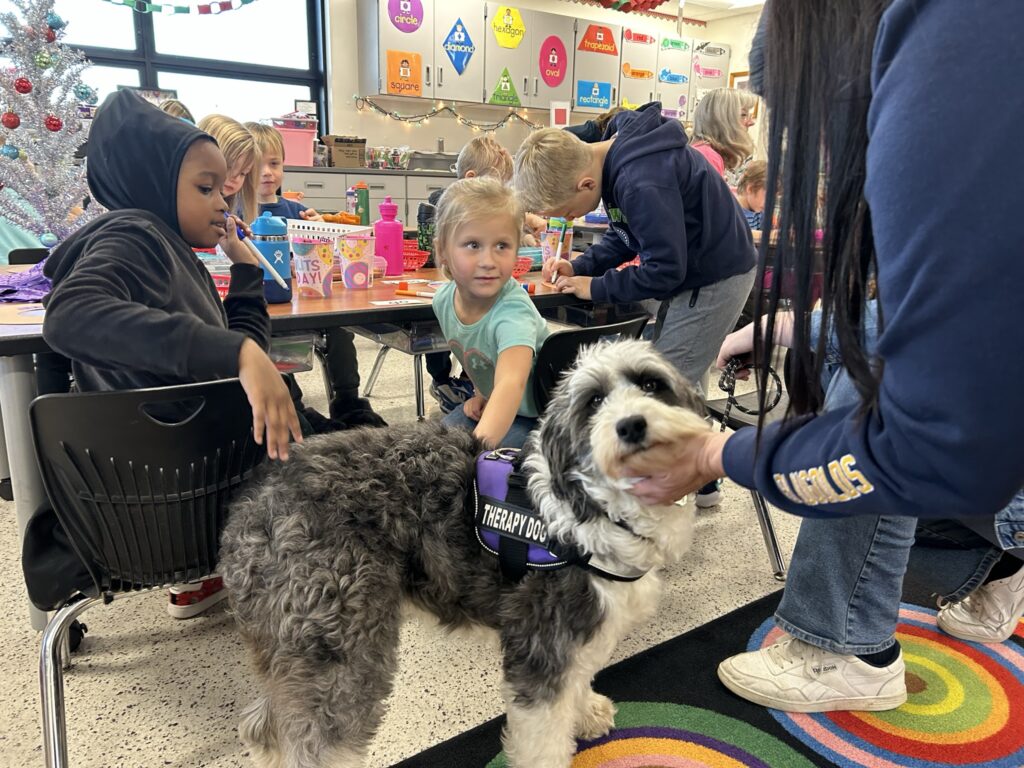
column 26, row 255
column 143, row 500
column 559, row 351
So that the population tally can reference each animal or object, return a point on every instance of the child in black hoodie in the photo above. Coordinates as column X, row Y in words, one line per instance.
column 133, row 306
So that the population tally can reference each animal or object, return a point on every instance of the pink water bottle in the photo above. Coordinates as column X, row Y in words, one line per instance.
column 387, row 235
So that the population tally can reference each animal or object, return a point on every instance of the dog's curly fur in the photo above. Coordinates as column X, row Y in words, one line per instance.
column 320, row 554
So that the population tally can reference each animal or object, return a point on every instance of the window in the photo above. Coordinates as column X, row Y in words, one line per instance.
column 249, row 63
column 241, row 99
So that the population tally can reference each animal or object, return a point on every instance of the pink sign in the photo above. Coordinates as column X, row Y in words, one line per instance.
column 406, row 15
column 553, row 61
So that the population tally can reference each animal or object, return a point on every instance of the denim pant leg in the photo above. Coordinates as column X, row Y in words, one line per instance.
column 846, row 575
column 951, row 559
column 697, row 322
column 514, row 438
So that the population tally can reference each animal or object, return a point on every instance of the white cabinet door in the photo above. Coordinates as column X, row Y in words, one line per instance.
column 552, row 37
column 674, row 71
column 459, row 34
column 710, row 70
column 638, row 83
column 596, row 67
column 507, row 60
column 406, row 47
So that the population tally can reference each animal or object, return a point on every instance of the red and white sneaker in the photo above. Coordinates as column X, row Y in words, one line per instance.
column 188, row 600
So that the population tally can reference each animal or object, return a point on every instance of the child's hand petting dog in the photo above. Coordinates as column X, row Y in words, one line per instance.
column 474, row 407
column 671, row 470
column 273, row 412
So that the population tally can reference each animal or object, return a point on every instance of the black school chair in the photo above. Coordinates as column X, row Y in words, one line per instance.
column 27, row 256
column 143, row 501
column 560, row 349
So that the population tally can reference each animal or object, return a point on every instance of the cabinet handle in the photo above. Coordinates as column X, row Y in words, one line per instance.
column 659, row 96
column 650, row 96
column 313, row 185
column 428, row 74
column 440, row 77
column 536, row 80
column 615, row 99
column 526, row 85
column 433, row 189
column 375, row 186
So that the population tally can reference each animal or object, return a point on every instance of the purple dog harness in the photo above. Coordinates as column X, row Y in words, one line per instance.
column 509, row 528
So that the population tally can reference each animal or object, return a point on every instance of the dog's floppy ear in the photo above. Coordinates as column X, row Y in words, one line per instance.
column 555, row 442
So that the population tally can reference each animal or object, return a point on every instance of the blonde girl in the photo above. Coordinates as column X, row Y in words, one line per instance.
column 489, row 321
column 720, row 128
column 241, row 190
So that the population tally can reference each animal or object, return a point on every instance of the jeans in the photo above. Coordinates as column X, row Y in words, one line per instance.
column 514, row 438
column 846, row 576
column 693, row 324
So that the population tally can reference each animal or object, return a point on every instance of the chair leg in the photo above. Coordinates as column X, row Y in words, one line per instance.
column 320, row 351
column 375, row 371
column 771, row 542
column 417, row 370
column 51, row 683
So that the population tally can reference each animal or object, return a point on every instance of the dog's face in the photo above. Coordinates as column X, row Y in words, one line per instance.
column 621, row 399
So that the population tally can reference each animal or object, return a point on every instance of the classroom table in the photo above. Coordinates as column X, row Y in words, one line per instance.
column 344, row 308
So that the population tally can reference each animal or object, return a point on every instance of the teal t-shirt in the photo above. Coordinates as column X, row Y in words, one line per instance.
column 513, row 321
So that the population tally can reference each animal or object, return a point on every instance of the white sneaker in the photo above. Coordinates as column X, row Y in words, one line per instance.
column 795, row 676
column 708, row 498
column 989, row 614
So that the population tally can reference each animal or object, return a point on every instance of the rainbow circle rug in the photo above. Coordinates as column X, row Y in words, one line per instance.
column 662, row 735
column 965, row 706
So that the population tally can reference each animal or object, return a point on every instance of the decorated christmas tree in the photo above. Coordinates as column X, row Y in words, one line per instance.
column 41, row 185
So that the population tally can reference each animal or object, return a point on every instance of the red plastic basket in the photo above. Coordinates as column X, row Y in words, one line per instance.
column 413, row 259
column 223, row 284
column 523, row 265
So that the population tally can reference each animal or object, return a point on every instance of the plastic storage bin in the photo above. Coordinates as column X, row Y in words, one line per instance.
column 298, row 145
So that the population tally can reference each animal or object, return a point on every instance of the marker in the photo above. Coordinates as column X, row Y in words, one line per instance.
column 421, row 294
column 262, row 259
column 558, row 248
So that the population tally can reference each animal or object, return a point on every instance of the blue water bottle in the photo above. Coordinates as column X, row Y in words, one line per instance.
column 270, row 236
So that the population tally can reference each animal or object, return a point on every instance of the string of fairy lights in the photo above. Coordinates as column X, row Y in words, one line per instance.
column 365, row 103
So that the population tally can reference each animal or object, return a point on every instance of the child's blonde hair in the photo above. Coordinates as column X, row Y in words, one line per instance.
column 717, row 121
column 177, row 109
column 754, row 177
column 467, row 200
column 238, row 147
column 268, row 140
column 548, row 167
column 484, row 155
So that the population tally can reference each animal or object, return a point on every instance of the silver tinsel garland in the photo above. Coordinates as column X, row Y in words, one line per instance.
column 43, row 186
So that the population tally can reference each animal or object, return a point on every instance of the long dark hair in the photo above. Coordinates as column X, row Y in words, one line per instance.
column 817, row 90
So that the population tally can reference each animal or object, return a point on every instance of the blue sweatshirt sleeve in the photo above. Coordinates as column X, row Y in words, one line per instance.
column 950, row 273
column 603, row 255
column 654, row 213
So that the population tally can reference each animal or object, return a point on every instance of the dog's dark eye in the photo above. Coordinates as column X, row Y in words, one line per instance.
column 595, row 402
column 651, row 385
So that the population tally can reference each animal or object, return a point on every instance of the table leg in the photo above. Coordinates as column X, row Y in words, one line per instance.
column 17, row 388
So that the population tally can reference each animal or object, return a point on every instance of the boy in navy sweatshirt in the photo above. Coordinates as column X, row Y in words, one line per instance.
column 664, row 203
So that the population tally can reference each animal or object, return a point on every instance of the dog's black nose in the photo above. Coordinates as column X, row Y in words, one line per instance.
column 631, row 429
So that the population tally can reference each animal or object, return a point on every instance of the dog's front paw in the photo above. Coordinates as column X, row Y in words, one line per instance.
column 597, row 716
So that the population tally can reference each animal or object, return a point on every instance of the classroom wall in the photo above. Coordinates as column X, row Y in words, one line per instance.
column 343, row 75
column 737, row 31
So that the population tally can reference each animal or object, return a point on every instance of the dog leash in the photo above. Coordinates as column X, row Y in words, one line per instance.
column 727, row 383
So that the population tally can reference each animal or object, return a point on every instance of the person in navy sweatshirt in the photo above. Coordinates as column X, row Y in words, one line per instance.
column 665, row 203
column 912, row 444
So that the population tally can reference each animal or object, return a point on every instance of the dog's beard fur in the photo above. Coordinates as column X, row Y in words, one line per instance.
column 319, row 557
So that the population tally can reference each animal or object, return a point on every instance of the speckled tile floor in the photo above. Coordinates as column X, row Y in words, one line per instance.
column 148, row 691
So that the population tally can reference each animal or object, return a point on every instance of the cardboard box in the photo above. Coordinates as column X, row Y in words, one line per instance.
column 345, row 151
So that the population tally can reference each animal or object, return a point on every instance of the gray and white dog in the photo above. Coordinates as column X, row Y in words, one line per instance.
column 320, row 556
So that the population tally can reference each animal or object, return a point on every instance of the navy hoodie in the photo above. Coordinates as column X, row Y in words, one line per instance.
column 947, row 437
column 667, row 204
column 132, row 305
